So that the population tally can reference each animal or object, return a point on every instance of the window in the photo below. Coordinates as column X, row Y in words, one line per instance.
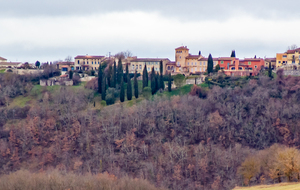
column 284, row 56
column 200, row 63
column 92, row 63
column 87, row 62
column 249, row 62
column 133, row 67
column 232, row 68
column 200, row 69
column 95, row 68
column 255, row 66
column 188, row 63
column 178, row 64
column 137, row 66
column 148, row 68
column 98, row 62
column 240, row 68
column 192, row 63
column 204, row 63
column 214, row 63
column 204, row 69
column 156, row 63
column 64, row 69
column 179, row 57
column 279, row 61
column 140, row 66
column 222, row 68
column 78, row 62
column 222, row 62
column 191, row 69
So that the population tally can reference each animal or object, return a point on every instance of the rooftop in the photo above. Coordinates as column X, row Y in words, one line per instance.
column 293, row 51
column 88, row 57
column 182, row 47
column 3, row 59
column 149, row 59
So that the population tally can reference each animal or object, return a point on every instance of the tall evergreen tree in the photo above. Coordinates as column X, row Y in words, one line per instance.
column 120, row 71
column 100, row 75
column 122, row 91
column 114, row 75
column 153, row 84
column 129, row 87
column 71, row 74
column 157, row 82
column 270, row 70
column 233, row 53
column 161, row 79
column 136, row 86
column 109, row 75
column 145, row 77
column 210, row 64
column 169, row 83
column 127, row 73
column 103, row 88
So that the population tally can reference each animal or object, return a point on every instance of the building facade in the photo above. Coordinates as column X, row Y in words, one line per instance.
column 88, row 62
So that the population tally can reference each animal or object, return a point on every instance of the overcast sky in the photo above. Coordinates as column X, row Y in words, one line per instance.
column 49, row 30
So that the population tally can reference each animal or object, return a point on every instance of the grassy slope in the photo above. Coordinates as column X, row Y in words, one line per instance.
column 281, row 186
column 2, row 71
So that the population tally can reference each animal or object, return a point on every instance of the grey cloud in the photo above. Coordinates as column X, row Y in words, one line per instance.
column 186, row 10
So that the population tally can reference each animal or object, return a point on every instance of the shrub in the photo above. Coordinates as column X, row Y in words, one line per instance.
column 147, row 92
column 179, row 80
column 76, row 80
column 198, row 91
column 92, row 84
column 103, row 103
column 110, row 96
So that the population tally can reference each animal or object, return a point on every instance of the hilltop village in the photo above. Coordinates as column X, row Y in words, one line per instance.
column 185, row 63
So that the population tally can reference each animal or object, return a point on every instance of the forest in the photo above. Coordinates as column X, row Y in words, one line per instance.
column 217, row 137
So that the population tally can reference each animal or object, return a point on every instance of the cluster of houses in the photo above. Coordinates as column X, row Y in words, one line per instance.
column 184, row 63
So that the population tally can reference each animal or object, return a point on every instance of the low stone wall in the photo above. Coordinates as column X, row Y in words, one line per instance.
column 86, row 79
column 52, row 82
column 27, row 71
column 192, row 81
column 293, row 73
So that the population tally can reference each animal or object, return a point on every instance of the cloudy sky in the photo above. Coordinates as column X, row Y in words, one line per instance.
column 49, row 30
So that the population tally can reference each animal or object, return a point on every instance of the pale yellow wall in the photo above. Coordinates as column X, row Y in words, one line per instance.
column 290, row 58
column 180, row 56
column 280, row 57
column 93, row 63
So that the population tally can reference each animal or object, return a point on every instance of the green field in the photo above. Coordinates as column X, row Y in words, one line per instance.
column 2, row 70
column 281, row 186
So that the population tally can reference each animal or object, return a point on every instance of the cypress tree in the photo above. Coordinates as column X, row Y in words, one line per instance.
column 109, row 76
column 114, row 76
column 145, row 76
column 161, row 79
column 122, row 92
column 129, row 88
column 136, row 86
column 210, row 64
column 233, row 53
column 153, row 87
column 103, row 89
column 270, row 70
column 127, row 73
column 100, row 80
column 169, row 83
column 156, row 82
column 71, row 74
column 119, row 72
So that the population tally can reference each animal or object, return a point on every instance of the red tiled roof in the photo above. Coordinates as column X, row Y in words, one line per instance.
column 10, row 63
column 252, row 59
column 182, row 47
column 149, row 59
column 171, row 63
column 226, row 58
column 63, row 76
column 192, row 56
column 65, row 63
column 88, row 57
column 1, row 58
column 292, row 51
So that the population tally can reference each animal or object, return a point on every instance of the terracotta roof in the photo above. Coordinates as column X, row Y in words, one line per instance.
column 226, row 58
column 65, row 63
column 182, row 47
column 270, row 59
column 10, row 63
column 65, row 66
column 192, row 56
column 252, row 59
column 1, row 58
column 88, row 57
column 63, row 76
column 149, row 59
column 171, row 63
column 293, row 51
column 205, row 59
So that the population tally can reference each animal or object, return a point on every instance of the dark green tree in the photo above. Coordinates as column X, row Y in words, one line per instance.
column 270, row 70
column 210, row 64
column 100, row 78
column 109, row 75
column 119, row 71
column 233, row 53
column 114, row 75
column 136, row 86
column 71, row 74
column 37, row 64
column 169, row 83
column 129, row 87
column 122, row 90
column 161, row 80
column 103, row 89
column 153, row 84
column 217, row 68
column 156, row 82
column 145, row 77
column 126, row 73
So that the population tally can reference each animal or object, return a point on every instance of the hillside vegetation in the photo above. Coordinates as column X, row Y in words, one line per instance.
column 203, row 140
column 282, row 186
